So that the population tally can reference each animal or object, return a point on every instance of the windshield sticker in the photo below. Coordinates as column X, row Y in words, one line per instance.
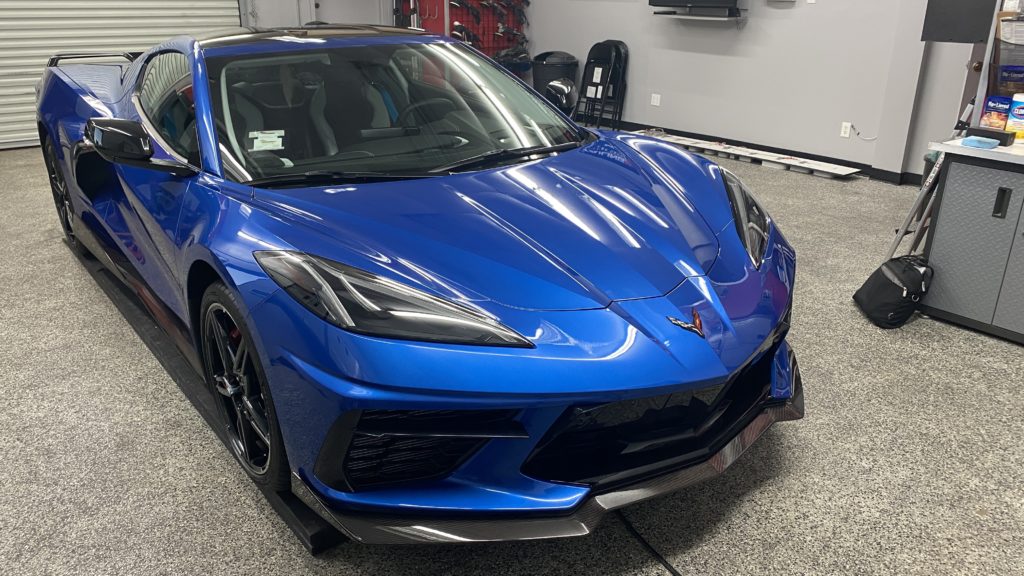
column 267, row 140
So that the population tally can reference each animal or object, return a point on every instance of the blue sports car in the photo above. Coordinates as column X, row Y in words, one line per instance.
column 427, row 303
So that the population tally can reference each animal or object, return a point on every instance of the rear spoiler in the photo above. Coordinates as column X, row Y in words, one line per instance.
column 56, row 58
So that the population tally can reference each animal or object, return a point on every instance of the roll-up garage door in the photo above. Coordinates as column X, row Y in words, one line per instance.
column 33, row 30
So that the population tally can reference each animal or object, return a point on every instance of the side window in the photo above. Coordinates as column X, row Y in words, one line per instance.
column 166, row 98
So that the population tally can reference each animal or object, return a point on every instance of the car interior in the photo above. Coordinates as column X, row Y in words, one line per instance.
column 175, row 119
column 166, row 98
column 367, row 108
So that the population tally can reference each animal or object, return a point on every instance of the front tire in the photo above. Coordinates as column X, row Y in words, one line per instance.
column 235, row 375
column 61, row 197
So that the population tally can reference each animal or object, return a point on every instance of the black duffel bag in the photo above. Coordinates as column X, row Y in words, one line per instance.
column 893, row 293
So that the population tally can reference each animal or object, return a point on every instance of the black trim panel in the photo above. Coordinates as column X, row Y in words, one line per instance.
column 248, row 35
column 56, row 58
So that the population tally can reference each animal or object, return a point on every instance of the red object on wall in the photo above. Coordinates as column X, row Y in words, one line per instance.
column 431, row 14
column 499, row 28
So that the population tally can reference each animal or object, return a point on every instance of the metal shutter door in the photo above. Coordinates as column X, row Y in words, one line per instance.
column 33, row 30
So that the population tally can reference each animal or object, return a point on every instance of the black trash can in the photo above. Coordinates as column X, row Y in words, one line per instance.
column 551, row 66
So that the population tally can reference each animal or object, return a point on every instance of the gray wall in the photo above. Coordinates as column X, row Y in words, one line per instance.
column 938, row 99
column 787, row 77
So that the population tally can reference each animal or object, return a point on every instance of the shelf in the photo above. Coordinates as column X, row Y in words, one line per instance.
column 732, row 16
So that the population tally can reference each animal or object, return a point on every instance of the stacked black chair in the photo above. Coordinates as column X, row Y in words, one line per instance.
column 603, row 88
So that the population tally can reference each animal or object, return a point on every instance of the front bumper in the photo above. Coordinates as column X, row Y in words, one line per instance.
column 326, row 382
column 380, row 529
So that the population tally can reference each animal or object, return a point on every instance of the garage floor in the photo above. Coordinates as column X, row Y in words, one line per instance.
column 909, row 461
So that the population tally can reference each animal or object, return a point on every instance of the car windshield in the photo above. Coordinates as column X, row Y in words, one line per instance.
column 374, row 111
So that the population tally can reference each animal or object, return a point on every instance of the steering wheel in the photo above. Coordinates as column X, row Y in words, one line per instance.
column 439, row 107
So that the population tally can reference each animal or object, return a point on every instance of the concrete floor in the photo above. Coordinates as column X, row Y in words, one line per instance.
column 909, row 461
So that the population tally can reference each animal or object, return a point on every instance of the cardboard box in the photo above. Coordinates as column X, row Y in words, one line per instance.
column 996, row 112
column 1009, row 30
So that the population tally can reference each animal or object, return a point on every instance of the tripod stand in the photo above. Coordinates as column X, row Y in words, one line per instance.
column 918, row 222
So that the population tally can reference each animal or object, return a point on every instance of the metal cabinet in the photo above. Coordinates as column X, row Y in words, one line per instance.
column 1010, row 309
column 976, row 248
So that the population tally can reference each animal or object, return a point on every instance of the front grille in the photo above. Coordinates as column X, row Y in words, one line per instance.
column 376, row 448
column 611, row 444
column 382, row 460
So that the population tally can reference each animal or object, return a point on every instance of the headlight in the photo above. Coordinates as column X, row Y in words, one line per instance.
column 369, row 304
column 752, row 221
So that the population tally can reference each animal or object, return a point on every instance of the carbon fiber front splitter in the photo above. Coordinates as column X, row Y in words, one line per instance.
column 372, row 529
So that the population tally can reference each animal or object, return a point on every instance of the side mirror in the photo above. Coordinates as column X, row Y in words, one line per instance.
column 119, row 140
column 127, row 142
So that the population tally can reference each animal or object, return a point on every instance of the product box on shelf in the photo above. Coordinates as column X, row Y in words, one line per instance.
column 997, row 110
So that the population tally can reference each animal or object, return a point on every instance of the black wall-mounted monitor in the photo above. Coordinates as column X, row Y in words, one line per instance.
column 962, row 21
column 694, row 3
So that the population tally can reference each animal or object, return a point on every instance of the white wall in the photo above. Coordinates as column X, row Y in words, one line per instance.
column 271, row 13
column 354, row 11
column 786, row 78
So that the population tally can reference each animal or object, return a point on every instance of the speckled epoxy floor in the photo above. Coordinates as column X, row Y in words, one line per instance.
column 909, row 460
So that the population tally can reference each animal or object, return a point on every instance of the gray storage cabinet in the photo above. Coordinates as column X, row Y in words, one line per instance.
column 977, row 247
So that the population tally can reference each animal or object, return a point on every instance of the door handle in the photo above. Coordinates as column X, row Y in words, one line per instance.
column 1002, row 203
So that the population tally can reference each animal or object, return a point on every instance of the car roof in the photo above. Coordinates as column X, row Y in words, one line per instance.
column 247, row 35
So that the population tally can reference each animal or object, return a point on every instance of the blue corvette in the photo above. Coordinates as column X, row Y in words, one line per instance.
column 427, row 303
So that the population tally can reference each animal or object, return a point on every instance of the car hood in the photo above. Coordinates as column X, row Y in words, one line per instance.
column 574, row 231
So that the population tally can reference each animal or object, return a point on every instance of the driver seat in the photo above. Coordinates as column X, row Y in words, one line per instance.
column 301, row 140
column 351, row 109
column 387, row 96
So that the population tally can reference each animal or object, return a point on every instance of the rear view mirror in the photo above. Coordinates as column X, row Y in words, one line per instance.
column 127, row 142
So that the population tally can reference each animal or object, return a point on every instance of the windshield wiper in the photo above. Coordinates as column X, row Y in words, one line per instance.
column 315, row 177
column 501, row 154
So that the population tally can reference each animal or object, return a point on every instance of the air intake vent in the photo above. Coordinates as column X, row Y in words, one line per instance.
column 377, row 448
column 612, row 444
column 382, row 460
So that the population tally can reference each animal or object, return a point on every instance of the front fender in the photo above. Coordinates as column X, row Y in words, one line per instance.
column 216, row 229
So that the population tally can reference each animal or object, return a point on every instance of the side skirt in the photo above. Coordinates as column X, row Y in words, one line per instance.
column 114, row 261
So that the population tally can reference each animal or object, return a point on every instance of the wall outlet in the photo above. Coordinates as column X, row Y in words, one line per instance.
column 655, row 99
column 846, row 129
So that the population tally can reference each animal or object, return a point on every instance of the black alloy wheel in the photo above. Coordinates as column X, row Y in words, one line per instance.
column 61, row 195
column 240, row 391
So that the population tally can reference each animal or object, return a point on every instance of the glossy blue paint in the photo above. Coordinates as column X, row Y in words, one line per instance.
column 587, row 254
column 544, row 235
